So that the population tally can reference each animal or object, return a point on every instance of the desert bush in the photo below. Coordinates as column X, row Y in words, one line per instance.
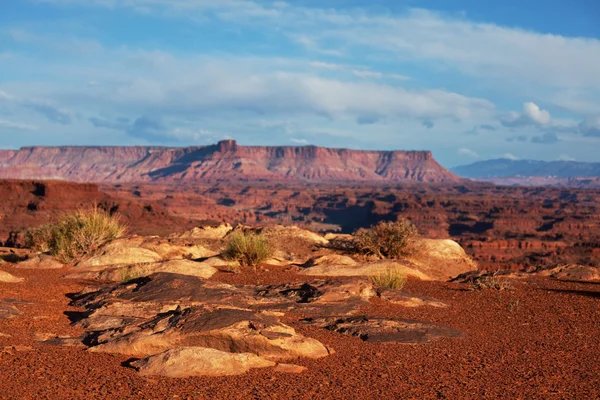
column 392, row 278
column 387, row 239
column 249, row 249
column 39, row 239
column 488, row 282
column 76, row 235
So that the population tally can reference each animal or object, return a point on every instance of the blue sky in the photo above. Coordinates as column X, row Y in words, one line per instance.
column 469, row 80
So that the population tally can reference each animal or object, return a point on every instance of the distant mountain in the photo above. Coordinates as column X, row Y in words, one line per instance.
column 225, row 161
column 531, row 172
column 505, row 168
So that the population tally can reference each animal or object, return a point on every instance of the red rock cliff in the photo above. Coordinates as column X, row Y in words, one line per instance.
column 224, row 161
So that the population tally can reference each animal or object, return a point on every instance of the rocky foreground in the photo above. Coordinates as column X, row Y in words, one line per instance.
column 308, row 324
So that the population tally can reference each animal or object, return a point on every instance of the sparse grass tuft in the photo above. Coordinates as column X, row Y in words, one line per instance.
column 387, row 239
column 249, row 249
column 392, row 278
column 76, row 235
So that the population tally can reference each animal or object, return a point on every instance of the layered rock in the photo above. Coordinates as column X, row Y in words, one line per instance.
column 224, row 161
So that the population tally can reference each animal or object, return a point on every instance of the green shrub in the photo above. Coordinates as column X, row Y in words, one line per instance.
column 392, row 278
column 387, row 239
column 249, row 249
column 76, row 235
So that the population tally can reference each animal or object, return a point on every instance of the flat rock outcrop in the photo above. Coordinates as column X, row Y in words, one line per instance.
column 387, row 330
column 183, row 325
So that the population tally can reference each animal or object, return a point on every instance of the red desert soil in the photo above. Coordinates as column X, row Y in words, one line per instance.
column 539, row 340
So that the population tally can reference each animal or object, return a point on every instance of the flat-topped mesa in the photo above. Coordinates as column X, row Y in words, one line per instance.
column 224, row 161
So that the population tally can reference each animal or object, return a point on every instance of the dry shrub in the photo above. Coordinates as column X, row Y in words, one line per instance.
column 488, row 282
column 76, row 235
column 249, row 249
column 387, row 239
column 392, row 278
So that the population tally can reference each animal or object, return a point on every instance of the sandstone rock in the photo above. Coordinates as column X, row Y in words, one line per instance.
column 169, row 251
column 573, row 272
column 226, row 329
column 442, row 259
column 8, row 278
column 365, row 269
column 113, row 255
column 386, row 330
column 294, row 232
column 199, row 361
column 40, row 261
column 129, row 272
column 207, row 232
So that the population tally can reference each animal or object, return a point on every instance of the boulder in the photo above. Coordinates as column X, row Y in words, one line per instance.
column 183, row 362
column 441, row 259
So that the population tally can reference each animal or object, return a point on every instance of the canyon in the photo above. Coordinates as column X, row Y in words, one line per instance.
column 512, row 228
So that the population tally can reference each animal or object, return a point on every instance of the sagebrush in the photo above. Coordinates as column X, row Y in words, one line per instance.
column 248, row 248
column 77, row 234
column 387, row 239
column 392, row 278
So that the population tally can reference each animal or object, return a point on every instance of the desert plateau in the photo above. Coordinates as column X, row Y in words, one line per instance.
column 299, row 199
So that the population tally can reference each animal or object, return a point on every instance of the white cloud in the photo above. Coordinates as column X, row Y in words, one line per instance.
column 565, row 157
column 326, row 65
column 549, row 65
column 531, row 115
column 298, row 141
column 468, row 153
column 6, row 96
column 17, row 125
column 509, row 156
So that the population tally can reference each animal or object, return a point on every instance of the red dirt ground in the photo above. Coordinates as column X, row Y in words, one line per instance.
column 539, row 340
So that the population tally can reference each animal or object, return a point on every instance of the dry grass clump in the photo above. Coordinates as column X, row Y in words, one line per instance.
column 387, row 239
column 392, row 278
column 249, row 249
column 490, row 281
column 76, row 235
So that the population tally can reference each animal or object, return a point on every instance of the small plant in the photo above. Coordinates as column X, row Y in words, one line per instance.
column 392, row 278
column 249, row 249
column 77, row 234
column 39, row 239
column 387, row 239
column 488, row 282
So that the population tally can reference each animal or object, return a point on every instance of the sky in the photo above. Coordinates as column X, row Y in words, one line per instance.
column 467, row 79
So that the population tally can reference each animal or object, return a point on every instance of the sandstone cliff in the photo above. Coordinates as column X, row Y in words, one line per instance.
column 221, row 162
